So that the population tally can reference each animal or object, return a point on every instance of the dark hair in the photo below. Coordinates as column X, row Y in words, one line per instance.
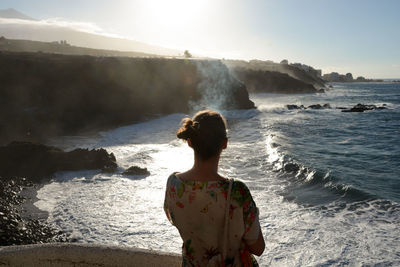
column 206, row 130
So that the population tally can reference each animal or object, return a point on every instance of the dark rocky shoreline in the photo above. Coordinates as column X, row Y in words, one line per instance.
column 18, row 224
column 24, row 168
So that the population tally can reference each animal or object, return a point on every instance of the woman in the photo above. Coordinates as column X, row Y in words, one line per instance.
column 196, row 201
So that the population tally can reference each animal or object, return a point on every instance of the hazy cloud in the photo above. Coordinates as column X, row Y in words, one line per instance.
column 77, row 33
column 88, row 27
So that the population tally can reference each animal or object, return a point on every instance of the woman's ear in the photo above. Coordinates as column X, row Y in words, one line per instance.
column 189, row 142
column 225, row 143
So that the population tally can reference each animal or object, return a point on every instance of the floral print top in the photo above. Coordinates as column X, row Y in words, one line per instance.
column 197, row 209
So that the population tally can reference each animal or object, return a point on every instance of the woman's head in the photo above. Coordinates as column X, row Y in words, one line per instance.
column 206, row 132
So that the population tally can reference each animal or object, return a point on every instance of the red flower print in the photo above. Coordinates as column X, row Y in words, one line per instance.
column 196, row 186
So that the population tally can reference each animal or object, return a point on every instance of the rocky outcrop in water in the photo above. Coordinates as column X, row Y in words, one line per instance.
column 37, row 162
column 135, row 170
column 362, row 108
column 315, row 106
column 356, row 108
column 44, row 95
column 258, row 81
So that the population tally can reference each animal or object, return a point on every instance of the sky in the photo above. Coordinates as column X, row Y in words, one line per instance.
column 357, row 36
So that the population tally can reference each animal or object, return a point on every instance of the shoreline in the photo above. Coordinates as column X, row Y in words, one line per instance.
column 27, row 209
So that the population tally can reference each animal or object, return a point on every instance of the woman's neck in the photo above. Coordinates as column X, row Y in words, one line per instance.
column 203, row 170
column 206, row 166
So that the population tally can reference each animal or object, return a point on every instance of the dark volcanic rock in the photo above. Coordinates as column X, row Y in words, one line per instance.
column 356, row 108
column 240, row 96
column 135, row 170
column 327, row 105
column 37, row 161
column 291, row 167
column 362, row 108
column 319, row 106
column 15, row 229
column 316, row 106
column 290, row 107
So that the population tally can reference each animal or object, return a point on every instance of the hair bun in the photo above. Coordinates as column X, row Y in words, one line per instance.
column 195, row 125
column 187, row 129
column 206, row 131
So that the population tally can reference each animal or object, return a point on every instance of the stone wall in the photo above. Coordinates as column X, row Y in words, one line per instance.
column 72, row 254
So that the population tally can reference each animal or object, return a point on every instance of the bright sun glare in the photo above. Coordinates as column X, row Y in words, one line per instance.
column 174, row 16
column 174, row 12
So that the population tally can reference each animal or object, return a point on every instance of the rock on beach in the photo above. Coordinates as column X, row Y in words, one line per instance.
column 38, row 162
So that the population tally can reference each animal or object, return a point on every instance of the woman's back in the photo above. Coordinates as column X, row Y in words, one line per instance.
column 196, row 201
column 197, row 209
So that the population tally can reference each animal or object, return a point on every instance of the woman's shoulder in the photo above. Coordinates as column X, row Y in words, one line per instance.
column 240, row 192
column 239, row 185
column 173, row 178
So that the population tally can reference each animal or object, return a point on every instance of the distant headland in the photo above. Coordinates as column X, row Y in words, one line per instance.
column 346, row 78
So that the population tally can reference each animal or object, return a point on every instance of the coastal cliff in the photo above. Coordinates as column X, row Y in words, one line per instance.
column 297, row 71
column 43, row 95
column 259, row 81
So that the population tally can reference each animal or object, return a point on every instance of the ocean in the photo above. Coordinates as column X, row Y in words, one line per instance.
column 326, row 182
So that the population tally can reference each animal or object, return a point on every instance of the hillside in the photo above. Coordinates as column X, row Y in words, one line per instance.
column 62, row 47
column 12, row 13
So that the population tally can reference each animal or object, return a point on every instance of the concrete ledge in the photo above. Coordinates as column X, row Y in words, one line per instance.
column 73, row 254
